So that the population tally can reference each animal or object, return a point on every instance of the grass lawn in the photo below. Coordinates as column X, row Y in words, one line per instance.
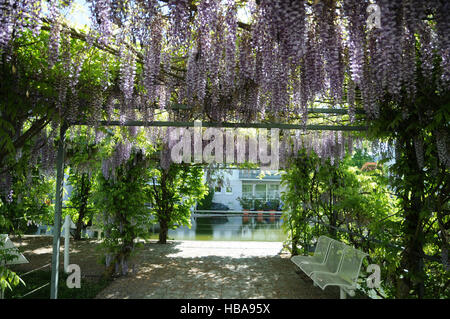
column 89, row 287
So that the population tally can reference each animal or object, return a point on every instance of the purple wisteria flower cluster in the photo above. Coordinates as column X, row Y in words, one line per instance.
column 15, row 16
column 101, row 12
column 327, row 145
column 275, row 65
column 121, row 155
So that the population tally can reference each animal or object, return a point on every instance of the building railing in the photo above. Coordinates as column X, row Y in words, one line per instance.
column 255, row 174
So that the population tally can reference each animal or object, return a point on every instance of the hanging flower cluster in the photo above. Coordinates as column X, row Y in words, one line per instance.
column 442, row 139
column 55, row 34
column 127, row 75
column 15, row 16
column 315, row 48
column 101, row 12
column 179, row 27
column 120, row 156
column 287, row 56
column 328, row 145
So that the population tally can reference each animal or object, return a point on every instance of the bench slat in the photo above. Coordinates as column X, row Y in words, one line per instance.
column 332, row 261
column 320, row 253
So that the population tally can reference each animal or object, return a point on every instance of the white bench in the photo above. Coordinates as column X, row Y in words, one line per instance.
column 320, row 253
column 92, row 231
column 333, row 264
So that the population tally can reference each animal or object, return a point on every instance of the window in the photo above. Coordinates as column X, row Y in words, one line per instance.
column 261, row 191
column 229, row 189
column 273, row 191
column 217, row 189
column 247, row 190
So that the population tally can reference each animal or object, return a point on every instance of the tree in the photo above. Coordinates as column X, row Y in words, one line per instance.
column 206, row 202
column 420, row 179
column 173, row 193
column 84, row 158
column 343, row 202
column 79, row 202
column 360, row 157
column 8, row 278
column 26, row 198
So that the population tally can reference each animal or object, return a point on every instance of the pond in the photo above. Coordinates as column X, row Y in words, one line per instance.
column 232, row 227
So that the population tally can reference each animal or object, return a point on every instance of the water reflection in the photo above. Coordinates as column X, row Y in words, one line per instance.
column 250, row 227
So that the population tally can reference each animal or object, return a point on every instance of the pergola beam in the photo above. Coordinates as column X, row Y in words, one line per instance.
column 334, row 111
column 282, row 126
column 179, row 106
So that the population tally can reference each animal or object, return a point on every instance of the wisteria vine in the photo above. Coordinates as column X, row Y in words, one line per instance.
column 275, row 65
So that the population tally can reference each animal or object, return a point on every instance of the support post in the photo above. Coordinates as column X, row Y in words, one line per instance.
column 58, row 211
column 343, row 295
column 66, row 242
column 2, row 290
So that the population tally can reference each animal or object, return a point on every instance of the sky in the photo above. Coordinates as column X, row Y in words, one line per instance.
column 79, row 14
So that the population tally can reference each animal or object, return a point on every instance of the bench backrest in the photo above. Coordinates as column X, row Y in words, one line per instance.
column 323, row 243
column 335, row 254
column 351, row 264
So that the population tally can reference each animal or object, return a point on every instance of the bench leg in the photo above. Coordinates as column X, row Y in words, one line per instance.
column 343, row 295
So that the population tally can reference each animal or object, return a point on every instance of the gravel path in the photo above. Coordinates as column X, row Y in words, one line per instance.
column 211, row 269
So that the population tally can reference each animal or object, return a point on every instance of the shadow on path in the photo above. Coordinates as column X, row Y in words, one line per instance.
column 224, row 270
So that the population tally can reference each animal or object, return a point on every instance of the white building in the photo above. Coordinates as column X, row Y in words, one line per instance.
column 253, row 184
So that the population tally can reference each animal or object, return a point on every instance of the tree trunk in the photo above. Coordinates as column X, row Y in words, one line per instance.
column 163, row 231
column 333, row 218
column 412, row 259
column 165, row 212
column 85, row 190
column 295, row 241
column 77, row 235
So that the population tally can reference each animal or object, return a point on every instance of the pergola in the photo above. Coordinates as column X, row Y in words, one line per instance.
column 61, row 147
column 388, row 63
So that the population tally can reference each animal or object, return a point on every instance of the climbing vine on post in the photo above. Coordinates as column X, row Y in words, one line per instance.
column 125, row 217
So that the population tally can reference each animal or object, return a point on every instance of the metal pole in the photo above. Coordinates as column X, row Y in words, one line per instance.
column 58, row 211
column 66, row 242
column 282, row 126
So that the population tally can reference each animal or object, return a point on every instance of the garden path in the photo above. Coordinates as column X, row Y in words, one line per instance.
column 213, row 269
